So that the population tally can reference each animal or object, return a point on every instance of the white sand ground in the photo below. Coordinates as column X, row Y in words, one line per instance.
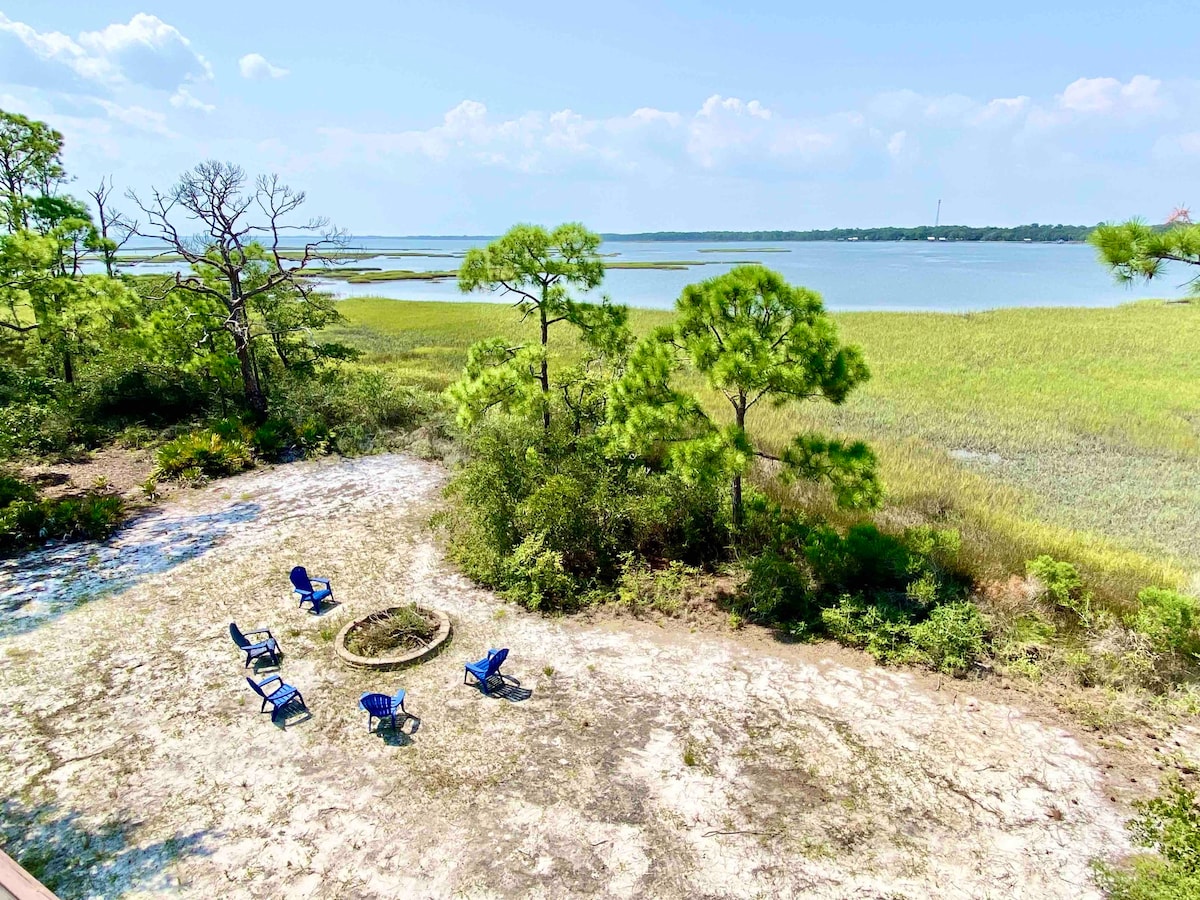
column 135, row 763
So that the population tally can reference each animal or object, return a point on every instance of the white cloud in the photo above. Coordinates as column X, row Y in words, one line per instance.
column 256, row 67
column 185, row 99
column 897, row 143
column 1108, row 95
column 1001, row 111
column 138, row 118
column 145, row 52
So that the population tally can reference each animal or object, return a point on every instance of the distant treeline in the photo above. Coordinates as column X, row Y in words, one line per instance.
column 1034, row 232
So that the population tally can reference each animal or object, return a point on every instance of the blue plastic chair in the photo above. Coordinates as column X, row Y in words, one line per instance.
column 302, row 585
column 381, row 706
column 255, row 649
column 282, row 696
column 486, row 669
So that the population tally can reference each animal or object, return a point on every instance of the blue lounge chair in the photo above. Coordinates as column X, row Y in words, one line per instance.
column 302, row 586
column 486, row 669
column 255, row 649
column 279, row 697
column 381, row 706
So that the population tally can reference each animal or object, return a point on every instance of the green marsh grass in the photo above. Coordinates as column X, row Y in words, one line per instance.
column 1073, row 432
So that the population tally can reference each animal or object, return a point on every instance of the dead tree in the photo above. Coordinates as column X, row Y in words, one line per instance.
column 237, row 256
column 115, row 230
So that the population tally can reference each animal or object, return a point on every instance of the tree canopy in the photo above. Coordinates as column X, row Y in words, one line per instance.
column 752, row 337
column 1134, row 250
column 539, row 269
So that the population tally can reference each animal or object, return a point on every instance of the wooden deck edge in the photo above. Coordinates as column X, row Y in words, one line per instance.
column 17, row 884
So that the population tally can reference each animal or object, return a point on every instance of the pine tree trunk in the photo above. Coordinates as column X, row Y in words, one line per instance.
column 545, row 379
column 256, row 400
column 736, row 489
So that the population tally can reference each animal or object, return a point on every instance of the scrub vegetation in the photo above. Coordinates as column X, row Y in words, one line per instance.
column 1012, row 491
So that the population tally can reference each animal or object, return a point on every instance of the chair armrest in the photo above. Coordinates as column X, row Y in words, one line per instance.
column 266, row 631
column 266, row 681
column 324, row 581
column 492, row 653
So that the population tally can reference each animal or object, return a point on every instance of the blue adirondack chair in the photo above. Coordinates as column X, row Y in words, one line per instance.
column 255, row 649
column 302, row 586
column 279, row 697
column 486, row 669
column 381, row 706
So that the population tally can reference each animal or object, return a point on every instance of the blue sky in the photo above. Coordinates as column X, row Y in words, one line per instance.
column 405, row 118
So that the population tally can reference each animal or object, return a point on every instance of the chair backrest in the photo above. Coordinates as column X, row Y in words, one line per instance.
column 376, row 704
column 257, row 689
column 300, row 580
column 238, row 637
column 496, row 661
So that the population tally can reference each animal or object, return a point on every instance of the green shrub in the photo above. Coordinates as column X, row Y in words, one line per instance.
column 1170, row 825
column 13, row 489
column 349, row 407
column 203, row 454
column 535, row 577
column 952, row 637
column 533, row 511
column 29, row 522
column 1062, row 586
column 879, row 627
column 778, row 590
column 642, row 588
column 1171, row 621
column 41, row 428
column 119, row 391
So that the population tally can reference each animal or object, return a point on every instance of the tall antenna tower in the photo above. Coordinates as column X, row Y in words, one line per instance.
column 938, row 217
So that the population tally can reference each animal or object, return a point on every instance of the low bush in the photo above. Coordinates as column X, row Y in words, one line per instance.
column 349, row 408
column 1170, row 825
column 642, row 588
column 952, row 638
column 204, row 454
column 1169, row 620
column 899, row 597
column 120, row 392
column 549, row 518
column 1062, row 587
column 26, row 520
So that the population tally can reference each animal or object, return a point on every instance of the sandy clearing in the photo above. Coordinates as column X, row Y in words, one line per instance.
column 809, row 777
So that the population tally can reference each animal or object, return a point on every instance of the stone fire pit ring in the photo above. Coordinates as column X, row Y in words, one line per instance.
column 412, row 657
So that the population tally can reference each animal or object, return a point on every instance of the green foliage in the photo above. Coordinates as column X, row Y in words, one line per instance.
column 13, row 489
column 1169, row 824
column 346, row 407
column 752, row 337
column 952, row 637
column 539, row 268
column 204, row 454
column 1170, row 620
column 642, row 588
column 546, row 517
column 1134, row 250
column 27, row 520
column 1062, row 586
column 901, row 598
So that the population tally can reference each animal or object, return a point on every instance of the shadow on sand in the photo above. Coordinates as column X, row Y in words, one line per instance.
column 39, row 586
column 75, row 858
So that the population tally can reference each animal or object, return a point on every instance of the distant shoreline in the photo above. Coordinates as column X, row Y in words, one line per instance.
column 1030, row 234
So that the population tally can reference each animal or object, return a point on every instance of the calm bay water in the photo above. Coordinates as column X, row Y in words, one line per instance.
column 908, row 275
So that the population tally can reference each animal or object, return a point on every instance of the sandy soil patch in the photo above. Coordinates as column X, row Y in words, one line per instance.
column 646, row 761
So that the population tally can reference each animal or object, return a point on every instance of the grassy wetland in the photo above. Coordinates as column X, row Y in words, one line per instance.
column 1061, row 431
